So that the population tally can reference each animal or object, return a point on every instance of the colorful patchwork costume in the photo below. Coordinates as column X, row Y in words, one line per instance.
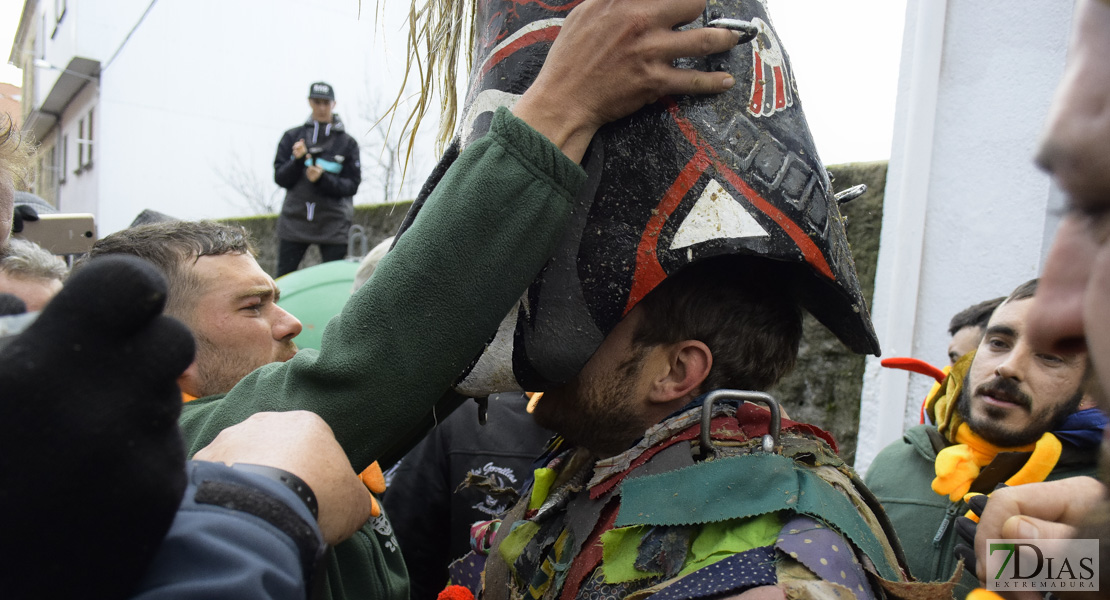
column 669, row 519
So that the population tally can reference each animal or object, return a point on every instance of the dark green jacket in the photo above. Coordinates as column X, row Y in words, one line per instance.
column 404, row 337
column 901, row 476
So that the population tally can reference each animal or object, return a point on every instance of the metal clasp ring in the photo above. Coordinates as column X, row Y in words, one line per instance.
column 747, row 30
column 770, row 439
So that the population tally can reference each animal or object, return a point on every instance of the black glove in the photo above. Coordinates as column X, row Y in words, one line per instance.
column 965, row 529
column 91, row 459
column 23, row 212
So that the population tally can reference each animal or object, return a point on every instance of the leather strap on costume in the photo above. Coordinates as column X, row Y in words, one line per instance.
column 496, row 578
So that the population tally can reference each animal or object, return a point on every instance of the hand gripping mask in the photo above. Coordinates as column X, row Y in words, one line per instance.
column 683, row 179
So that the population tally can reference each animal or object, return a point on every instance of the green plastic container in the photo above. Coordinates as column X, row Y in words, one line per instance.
column 315, row 295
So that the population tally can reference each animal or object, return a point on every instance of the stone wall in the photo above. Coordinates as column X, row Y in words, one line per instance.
column 825, row 387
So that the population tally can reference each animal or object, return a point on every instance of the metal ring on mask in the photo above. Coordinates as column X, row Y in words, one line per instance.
column 747, row 30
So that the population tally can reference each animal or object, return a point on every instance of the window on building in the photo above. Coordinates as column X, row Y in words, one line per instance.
column 52, row 172
column 63, row 160
column 35, row 186
column 80, row 146
column 59, row 12
column 85, row 143
column 45, row 175
column 89, row 140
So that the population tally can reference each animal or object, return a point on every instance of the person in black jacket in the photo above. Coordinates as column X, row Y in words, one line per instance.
column 462, row 472
column 318, row 163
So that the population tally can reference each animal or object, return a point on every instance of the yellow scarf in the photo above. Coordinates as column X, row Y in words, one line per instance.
column 957, row 466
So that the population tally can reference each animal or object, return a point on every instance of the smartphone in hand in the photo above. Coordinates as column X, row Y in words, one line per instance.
column 64, row 233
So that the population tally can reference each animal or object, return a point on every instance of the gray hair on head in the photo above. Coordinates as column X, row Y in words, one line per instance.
column 24, row 259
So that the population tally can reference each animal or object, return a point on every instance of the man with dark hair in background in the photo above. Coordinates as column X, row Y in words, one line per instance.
column 219, row 291
column 966, row 327
column 1007, row 413
column 318, row 163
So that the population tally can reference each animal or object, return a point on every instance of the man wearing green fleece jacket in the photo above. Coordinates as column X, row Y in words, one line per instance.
column 403, row 339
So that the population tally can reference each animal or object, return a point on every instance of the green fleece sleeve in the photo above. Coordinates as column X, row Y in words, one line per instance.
column 434, row 301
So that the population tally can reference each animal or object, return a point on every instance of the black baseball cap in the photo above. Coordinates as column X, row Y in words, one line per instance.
column 321, row 90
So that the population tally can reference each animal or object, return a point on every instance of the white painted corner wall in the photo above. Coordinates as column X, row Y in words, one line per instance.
column 967, row 215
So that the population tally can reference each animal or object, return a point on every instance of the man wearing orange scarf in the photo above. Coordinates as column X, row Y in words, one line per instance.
column 1005, row 414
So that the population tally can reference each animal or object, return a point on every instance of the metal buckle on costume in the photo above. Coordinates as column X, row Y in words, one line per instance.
column 770, row 439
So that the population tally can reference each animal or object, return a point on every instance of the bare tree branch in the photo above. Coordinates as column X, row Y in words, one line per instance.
column 258, row 195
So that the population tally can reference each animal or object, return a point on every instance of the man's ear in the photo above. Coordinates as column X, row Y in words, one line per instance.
column 1088, row 401
column 188, row 380
column 688, row 364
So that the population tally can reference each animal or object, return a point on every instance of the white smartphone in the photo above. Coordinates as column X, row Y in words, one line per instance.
column 65, row 233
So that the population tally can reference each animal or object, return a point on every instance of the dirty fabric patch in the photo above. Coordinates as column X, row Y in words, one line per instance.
column 745, row 486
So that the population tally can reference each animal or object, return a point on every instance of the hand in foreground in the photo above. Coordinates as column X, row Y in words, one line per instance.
column 22, row 214
column 611, row 58
column 1046, row 510
column 91, row 457
column 302, row 443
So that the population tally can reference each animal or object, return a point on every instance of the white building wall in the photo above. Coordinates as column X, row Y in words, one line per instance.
column 43, row 24
column 966, row 216
column 101, row 27
column 91, row 30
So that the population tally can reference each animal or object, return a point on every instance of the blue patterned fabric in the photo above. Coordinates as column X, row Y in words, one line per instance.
column 735, row 574
column 467, row 572
column 825, row 553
